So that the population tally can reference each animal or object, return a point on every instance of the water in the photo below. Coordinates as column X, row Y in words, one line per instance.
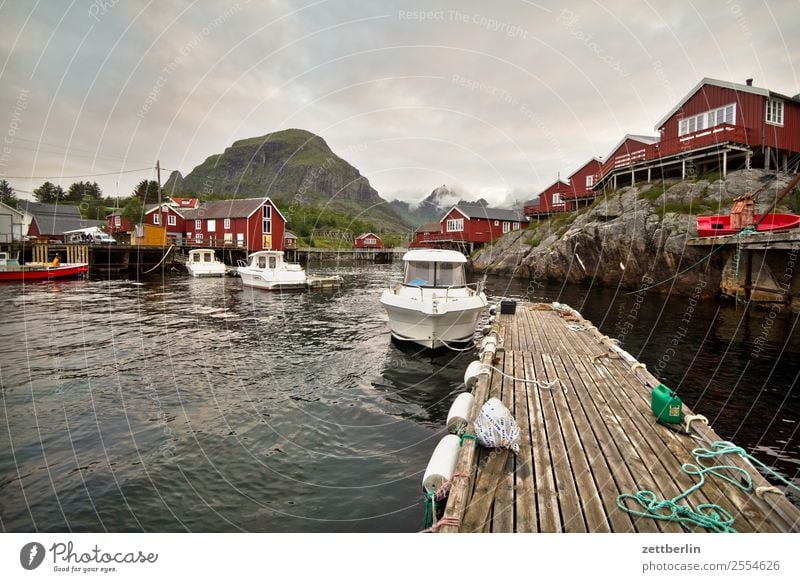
column 195, row 405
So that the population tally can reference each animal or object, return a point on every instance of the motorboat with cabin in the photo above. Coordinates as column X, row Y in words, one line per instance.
column 267, row 270
column 434, row 306
column 204, row 263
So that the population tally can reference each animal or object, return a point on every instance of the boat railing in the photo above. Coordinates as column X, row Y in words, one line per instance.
column 241, row 262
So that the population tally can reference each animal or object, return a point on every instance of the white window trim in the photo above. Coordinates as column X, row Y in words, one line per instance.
column 157, row 218
column 557, row 198
column 226, row 224
column 198, row 224
column 266, row 212
column 515, row 226
column 700, row 121
column 266, row 226
column 211, row 224
column 455, row 225
column 117, row 220
column 506, row 226
column 781, row 110
column 172, row 220
column 589, row 181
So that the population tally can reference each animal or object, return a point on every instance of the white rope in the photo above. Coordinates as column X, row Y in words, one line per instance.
column 538, row 383
column 169, row 250
column 764, row 489
column 466, row 349
column 575, row 327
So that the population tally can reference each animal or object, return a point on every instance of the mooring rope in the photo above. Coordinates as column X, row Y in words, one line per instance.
column 706, row 515
column 169, row 250
column 466, row 349
column 538, row 383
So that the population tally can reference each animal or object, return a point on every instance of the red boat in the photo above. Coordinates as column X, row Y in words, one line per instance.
column 721, row 225
column 43, row 273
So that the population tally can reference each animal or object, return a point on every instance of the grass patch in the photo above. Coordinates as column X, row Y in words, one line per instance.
column 698, row 205
column 653, row 193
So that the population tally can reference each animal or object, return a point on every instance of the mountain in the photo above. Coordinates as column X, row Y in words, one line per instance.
column 431, row 209
column 292, row 167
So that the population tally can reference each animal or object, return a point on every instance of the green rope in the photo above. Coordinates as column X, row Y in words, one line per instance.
column 706, row 515
column 465, row 436
column 430, row 510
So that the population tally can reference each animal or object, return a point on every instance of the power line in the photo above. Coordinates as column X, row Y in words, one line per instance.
column 77, row 176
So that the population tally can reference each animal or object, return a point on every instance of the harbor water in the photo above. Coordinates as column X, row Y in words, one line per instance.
column 180, row 404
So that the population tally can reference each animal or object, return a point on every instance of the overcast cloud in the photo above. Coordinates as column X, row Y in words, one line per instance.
column 493, row 100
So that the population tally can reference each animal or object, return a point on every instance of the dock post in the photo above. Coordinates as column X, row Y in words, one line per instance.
column 748, row 279
column 725, row 164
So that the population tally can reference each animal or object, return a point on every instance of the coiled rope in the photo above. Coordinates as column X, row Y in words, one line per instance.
column 706, row 515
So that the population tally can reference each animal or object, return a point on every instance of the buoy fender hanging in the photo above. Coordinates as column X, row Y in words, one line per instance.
column 442, row 464
column 458, row 417
column 471, row 375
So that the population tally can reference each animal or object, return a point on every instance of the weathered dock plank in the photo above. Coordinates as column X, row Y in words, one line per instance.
column 582, row 448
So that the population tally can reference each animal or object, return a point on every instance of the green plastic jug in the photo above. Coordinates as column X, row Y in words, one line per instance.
column 666, row 405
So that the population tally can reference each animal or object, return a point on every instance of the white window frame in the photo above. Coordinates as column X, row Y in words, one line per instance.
column 557, row 198
column 157, row 218
column 266, row 212
column 199, row 237
column 708, row 119
column 211, row 225
column 198, row 224
column 515, row 226
column 506, row 226
column 226, row 224
column 775, row 110
column 117, row 220
column 455, row 225
column 497, row 223
column 228, row 237
column 589, row 181
column 266, row 226
column 239, row 239
column 172, row 220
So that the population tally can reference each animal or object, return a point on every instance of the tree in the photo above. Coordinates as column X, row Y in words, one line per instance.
column 84, row 192
column 49, row 193
column 133, row 209
column 146, row 191
column 7, row 194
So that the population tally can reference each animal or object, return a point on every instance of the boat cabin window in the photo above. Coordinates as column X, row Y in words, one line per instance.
column 207, row 257
column 273, row 262
column 262, row 262
column 429, row 274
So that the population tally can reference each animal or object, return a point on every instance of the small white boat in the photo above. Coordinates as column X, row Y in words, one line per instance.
column 267, row 270
column 204, row 263
column 434, row 306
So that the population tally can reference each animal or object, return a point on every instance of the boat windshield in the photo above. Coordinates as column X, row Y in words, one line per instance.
column 429, row 274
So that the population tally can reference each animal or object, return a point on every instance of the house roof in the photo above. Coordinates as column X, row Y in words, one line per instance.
column 595, row 159
column 233, row 208
column 559, row 181
column 289, row 234
column 646, row 139
column 725, row 85
column 151, row 207
column 429, row 227
column 56, row 218
column 480, row 211
column 12, row 209
column 185, row 202
column 366, row 234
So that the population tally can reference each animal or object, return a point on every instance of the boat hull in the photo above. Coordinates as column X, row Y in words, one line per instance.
column 453, row 323
column 257, row 281
column 207, row 272
column 66, row 271
column 721, row 225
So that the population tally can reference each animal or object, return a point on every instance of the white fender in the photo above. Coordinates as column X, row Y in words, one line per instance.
column 442, row 464
column 474, row 370
column 458, row 416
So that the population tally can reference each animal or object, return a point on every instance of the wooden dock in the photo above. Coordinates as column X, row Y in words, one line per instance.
column 587, row 442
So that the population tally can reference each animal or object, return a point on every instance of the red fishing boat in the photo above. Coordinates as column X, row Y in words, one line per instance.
column 721, row 225
column 11, row 270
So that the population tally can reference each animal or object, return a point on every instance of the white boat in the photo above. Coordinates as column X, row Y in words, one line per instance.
column 204, row 263
column 434, row 306
column 267, row 270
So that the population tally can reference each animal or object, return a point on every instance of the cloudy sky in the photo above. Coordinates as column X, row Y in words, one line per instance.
column 492, row 100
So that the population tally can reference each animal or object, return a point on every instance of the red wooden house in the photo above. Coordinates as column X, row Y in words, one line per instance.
column 116, row 223
column 582, row 182
column 731, row 121
column 426, row 234
column 178, row 202
column 476, row 224
column 551, row 199
column 367, row 240
column 169, row 217
column 628, row 156
column 252, row 223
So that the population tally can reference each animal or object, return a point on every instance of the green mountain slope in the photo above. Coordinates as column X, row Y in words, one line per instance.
column 293, row 167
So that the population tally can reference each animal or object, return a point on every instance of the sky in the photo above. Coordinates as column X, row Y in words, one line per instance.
column 494, row 101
